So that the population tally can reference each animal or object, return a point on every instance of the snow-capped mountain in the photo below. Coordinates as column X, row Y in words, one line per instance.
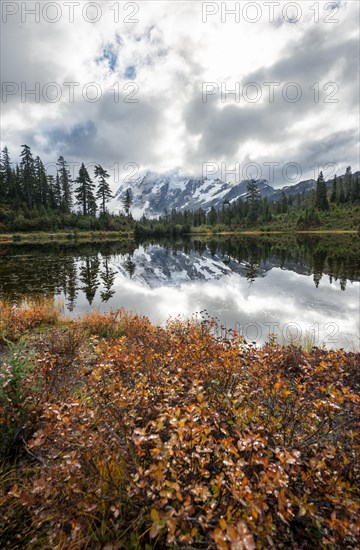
column 154, row 266
column 153, row 193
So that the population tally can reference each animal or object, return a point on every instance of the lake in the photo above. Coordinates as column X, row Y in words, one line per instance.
column 304, row 286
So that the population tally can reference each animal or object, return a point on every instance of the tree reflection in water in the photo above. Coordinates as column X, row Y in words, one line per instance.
column 107, row 277
column 55, row 269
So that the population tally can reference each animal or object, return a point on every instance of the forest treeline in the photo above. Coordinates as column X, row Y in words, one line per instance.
column 33, row 200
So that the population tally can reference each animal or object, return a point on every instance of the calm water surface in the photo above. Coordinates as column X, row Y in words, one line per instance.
column 305, row 286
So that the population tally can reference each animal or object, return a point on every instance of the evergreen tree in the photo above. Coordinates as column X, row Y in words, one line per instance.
column 72, row 288
column 212, row 216
column 103, row 192
column 253, row 199
column 3, row 186
column 130, row 266
column 173, row 216
column 92, row 206
column 226, row 212
column 341, row 194
column 27, row 174
column 321, row 201
column 127, row 202
column 187, row 219
column 84, row 192
column 107, row 277
column 57, row 192
column 7, row 176
column 51, row 191
column 65, row 185
column 89, row 276
column 18, row 183
column 42, row 185
column 284, row 203
column 347, row 184
column 267, row 217
column 334, row 191
column 355, row 194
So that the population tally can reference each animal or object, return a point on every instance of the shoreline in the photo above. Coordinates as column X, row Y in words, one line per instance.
column 64, row 237
column 100, row 236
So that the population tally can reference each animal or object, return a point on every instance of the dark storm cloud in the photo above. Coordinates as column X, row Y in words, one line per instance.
column 75, row 140
column 338, row 146
column 116, row 132
column 330, row 154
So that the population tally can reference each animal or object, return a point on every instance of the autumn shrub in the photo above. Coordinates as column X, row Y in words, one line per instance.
column 174, row 437
column 29, row 378
column 15, row 519
column 112, row 324
column 13, row 374
column 15, row 321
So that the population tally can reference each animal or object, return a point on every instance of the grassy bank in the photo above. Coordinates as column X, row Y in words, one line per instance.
column 120, row 434
column 112, row 236
column 339, row 219
column 64, row 236
column 220, row 231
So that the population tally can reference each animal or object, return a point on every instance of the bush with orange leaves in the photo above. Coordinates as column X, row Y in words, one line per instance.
column 175, row 438
column 14, row 321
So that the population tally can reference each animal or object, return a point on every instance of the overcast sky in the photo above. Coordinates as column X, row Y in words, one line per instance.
column 173, row 58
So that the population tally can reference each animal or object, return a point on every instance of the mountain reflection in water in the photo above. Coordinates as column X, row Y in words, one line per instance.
column 262, row 284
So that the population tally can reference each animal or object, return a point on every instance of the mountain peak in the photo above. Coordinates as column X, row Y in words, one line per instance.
column 153, row 192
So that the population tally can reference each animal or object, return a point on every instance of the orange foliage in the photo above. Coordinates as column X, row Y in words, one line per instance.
column 182, row 439
column 14, row 321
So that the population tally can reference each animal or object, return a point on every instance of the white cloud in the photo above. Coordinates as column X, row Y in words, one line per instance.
column 173, row 52
column 255, row 310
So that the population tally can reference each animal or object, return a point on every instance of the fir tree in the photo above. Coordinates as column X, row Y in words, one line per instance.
column 89, row 276
column 65, row 185
column 253, row 199
column 57, row 192
column 27, row 175
column 42, row 185
column 92, row 206
column 107, row 277
column 284, row 203
column 341, row 195
column 127, row 202
column 267, row 217
column 103, row 193
column 321, row 201
column 347, row 184
column 355, row 194
column 84, row 192
column 7, row 177
column 334, row 191
column 130, row 266
column 212, row 216
column 51, row 191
